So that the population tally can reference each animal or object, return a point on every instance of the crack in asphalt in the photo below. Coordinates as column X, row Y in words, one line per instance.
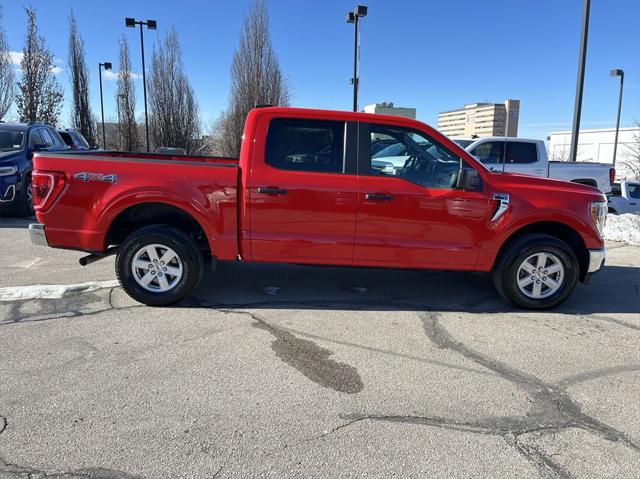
column 552, row 408
column 9, row 470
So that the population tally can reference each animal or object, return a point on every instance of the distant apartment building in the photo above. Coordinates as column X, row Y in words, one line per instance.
column 388, row 108
column 481, row 119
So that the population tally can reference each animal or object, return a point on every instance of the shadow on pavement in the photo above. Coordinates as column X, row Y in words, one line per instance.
column 7, row 221
column 276, row 286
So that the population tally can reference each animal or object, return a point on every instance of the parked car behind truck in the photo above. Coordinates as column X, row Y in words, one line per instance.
column 625, row 197
column 529, row 157
column 18, row 143
column 305, row 191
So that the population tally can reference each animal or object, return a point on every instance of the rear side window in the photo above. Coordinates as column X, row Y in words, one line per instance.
column 634, row 190
column 518, row 152
column 306, row 145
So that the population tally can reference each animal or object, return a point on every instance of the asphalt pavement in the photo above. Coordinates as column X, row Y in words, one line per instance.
column 279, row 371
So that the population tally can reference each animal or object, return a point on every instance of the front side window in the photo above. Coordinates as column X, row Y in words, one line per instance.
column 414, row 157
column 306, row 145
column 46, row 136
column 35, row 139
column 634, row 190
column 490, row 152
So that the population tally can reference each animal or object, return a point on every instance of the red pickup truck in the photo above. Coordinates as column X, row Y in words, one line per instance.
column 320, row 187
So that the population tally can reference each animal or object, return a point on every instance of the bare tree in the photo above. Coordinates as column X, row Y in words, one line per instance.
column 126, row 101
column 39, row 93
column 256, row 78
column 630, row 161
column 7, row 78
column 81, row 116
column 174, row 118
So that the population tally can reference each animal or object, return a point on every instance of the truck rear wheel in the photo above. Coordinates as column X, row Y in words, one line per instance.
column 158, row 265
column 536, row 272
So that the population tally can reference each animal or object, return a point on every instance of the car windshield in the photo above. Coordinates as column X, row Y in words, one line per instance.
column 463, row 143
column 11, row 140
column 396, row 149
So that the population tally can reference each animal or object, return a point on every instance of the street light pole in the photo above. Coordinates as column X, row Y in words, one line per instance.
column 151, row 25
column 107, row 66
column 617, row 73
column 582, row 57
column 352, row 17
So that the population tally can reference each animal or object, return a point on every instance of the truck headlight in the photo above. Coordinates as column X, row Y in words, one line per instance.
column 8, row 170
column 599, row 215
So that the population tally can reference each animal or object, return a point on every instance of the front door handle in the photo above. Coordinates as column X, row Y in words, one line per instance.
column 377, row 197
column 271, row 190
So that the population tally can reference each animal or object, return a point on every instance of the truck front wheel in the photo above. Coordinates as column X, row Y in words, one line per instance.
column 158, row 265
column 536, row 272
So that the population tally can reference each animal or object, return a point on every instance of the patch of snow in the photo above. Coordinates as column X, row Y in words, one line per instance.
column 624, row 228
column 51, row 291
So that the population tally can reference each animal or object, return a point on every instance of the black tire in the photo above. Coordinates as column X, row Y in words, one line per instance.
column 181, row 243
column 24, row 206
column 505, row 271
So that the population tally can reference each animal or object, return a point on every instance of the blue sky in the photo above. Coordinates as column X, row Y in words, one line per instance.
column 434, row 56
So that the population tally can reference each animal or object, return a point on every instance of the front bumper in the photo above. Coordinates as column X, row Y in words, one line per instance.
column 596, row 260
column 37, row 234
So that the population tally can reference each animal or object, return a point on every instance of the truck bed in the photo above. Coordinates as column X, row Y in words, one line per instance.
column 100, row 186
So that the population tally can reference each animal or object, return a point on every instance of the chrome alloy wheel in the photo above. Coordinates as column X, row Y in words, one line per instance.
column 157, row 268
column 540, row 275
column 30, row 196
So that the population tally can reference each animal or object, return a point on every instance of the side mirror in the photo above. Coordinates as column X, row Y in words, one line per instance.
column 39, row 147
column 95, row 147
column 469, row 180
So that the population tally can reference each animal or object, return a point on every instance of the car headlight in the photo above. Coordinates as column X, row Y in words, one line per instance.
column 8, row 170
column 599, row 215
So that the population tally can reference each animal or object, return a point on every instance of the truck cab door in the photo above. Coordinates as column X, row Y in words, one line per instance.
column 302, row 191
column 414, row 216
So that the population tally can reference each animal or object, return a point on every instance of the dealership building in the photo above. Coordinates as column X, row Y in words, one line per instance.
column 481, row 119
column 597, row 146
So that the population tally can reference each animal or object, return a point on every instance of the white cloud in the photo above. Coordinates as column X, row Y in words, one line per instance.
column 111, row 75
column 16, row 59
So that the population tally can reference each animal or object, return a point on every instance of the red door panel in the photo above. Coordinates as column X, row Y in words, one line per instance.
column 314, row 222
column 419, row 227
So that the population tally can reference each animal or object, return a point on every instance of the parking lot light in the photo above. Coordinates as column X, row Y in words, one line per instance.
column 151, row 25
column 617, row 73
column 352, row 17
column 107, row 66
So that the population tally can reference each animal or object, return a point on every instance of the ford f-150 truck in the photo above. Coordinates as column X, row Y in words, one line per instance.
column 305, row 190
column 529, row 157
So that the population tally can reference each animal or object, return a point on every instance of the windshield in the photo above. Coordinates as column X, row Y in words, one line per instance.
column 11, row 140
column 463, row 143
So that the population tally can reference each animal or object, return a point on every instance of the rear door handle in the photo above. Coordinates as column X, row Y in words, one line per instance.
column 268, row 190
column 377, row 197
